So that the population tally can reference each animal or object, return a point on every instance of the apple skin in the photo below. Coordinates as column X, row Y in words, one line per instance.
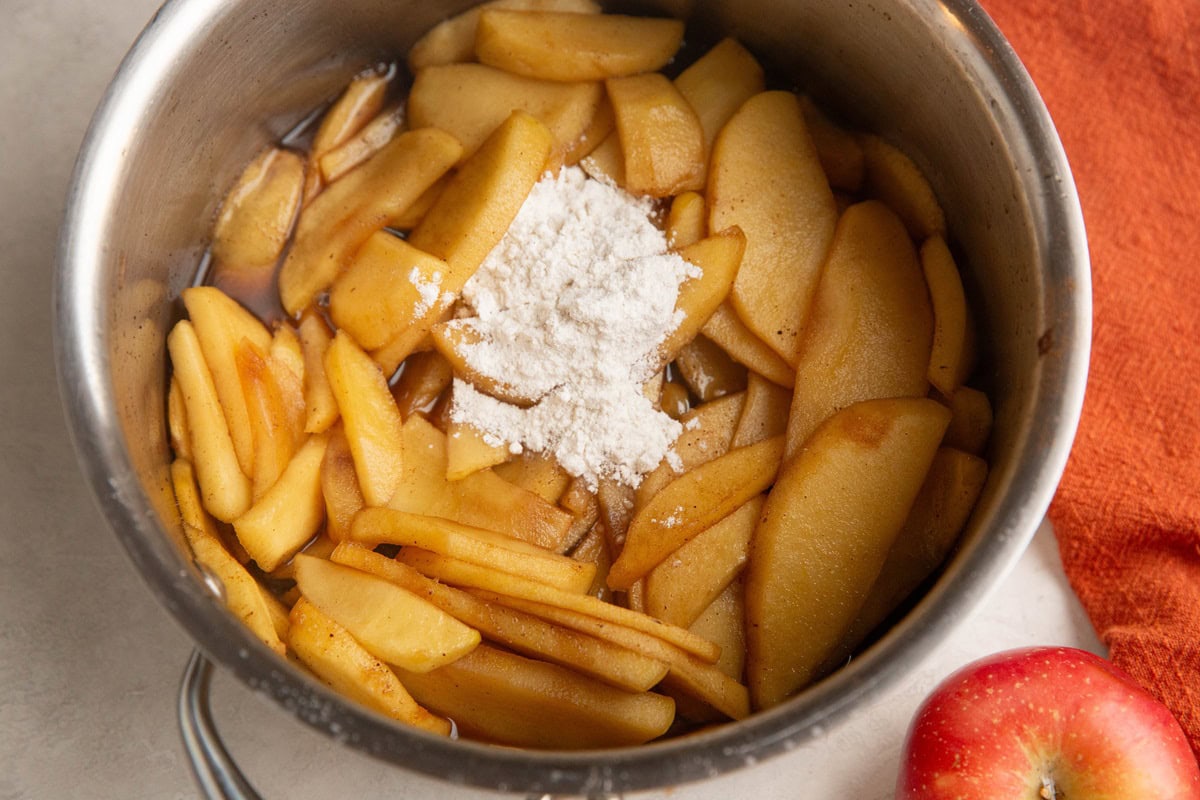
column 1040, row 723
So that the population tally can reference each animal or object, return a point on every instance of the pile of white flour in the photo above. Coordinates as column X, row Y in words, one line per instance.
column 569, row 310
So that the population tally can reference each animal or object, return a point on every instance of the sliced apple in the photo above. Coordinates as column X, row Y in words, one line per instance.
column 537, row 473
column 839, row 150
column 718, row 258
column 728, row 331
column 765, row 412
column 971, row 420
column 949, row 359
column 339, row 485
column 256, row 215
column 687, row 221
column 662, row 143
column 893, row 177
column 825, row 532
column 320, row 406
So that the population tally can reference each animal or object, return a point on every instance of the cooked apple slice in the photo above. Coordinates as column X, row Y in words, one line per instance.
column 727, row 330
column 707, row 433
column 524, row 633
column 717, row 84
column 593, row 549
column 471, row 101
column 356, row 149
column 537, row 473
column 482, row 499
column 971, row 420
column 840, row 151
column 891, row 176
column 289, row 513
column 562, row 46
column 333, row 655
column 606, row 163
column 345, row 214
column 662, row 143
column 708, row 370
column 225, row 488
column 392, row 624
column 504, row 586
column 454, row 340
column 387, row 286
column 765, row 413
column 691, row 503
column 507, row 698
column 369, row 416
column 688, row 580
column 453, row 40
column 949, row 358
column 933, row 526
column 256, row 215
column 584, row 507
column 177, row 424
column 468, row 451
column 375, row 526
column 274, row 440
column 825, row 532
column 724, row 622
column 244, row 597
column 765, row 177
column 339, row 485
column 718, row 258
column 687, row 221
column 872, row 324
column 220, row 324
column 320, row 406
column 358, row 104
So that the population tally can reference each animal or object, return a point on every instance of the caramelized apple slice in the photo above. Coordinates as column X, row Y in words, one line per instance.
column 662, row 143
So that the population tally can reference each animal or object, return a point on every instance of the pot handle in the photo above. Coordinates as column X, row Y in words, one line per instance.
column 215, row 770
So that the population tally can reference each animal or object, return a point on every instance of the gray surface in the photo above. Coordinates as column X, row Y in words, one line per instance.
column 89, row 664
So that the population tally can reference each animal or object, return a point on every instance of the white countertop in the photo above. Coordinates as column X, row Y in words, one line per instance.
column 89, row 663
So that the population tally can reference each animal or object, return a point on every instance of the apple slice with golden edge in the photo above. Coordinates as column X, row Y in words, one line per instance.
column 289, row 513
column 424, row 378
column 971, row 420
column 934, row 524
column 386, row 287
column 688, row 580
column 243, row 595
column 345, row 215
column 707, row 433
column 256, row 215
column 602, row 126
column 369, row 140
column 453, row 40
column 471, row 101
column 765, row 177
column 177, row 424
column 606, row 163
column 562, row 46
column 728, row 331
column 724, row 622
column 339, row 486
column 871, row 326
column 840, row 151
column 482, row 499
column 454, row 340
column 375, row 526
column 717, row 84
column 584, row 507
column 537, row 473
column 718, row 258
column 274, row 439
column 691, row 503
column 825, row 533
column 361, row 101
column 593, row 549
column 708, row 370
column 949, row 359
column 698, row 678
column 662, row 143
column 509, row 699
column 336, row 658
column 392, row 624
column 687, row 220
column 225, row 488
column 524, row 633
column 891, row 176
column 220, row 324
column 320, row 406
column 505, row 585
column 765, row 413
column 369, row 416
column 468, row 451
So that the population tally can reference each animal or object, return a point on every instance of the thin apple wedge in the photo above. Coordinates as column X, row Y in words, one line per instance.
column 872, row 324
column 894, row 178
column 765, row 177
column 339, row 485
column 562, row 46
column 469, row 450
column 334, row 656
column 727, row 330
column 257, row 214
column 971, row 420
column 426, row 375
column 375, row 526
column 718, row 258
column 691, row 503
column 320, row 406
column 950, row 355
column 345, row 214
column 394, row 625
column 687, row 221
column 369, row 416
column 825, row 532
column 536, row 473
column 507, row 698
column 662, row 143
column 525, row 633
column 765, row 412
column 274, row 439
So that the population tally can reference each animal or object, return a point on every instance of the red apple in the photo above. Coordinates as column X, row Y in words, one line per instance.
column 1041, row 723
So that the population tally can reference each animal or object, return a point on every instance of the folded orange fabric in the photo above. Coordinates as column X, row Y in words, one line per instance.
column 1122, row 81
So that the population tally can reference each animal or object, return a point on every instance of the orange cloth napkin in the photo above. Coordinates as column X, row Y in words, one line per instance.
column 1122, row 81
